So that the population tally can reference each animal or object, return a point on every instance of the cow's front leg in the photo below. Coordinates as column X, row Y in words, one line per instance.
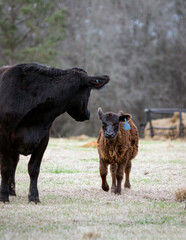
column 119, row 177
column 34, row 168
column 103, row 168
column 6, row 172
column 12, row 191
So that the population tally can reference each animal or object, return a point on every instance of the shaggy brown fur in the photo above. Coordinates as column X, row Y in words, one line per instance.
column 117, row 151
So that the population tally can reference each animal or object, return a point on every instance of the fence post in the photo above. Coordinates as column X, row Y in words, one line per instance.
column 181, row 125
column 150, row 122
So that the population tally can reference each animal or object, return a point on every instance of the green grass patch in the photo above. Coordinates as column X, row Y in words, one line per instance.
column 176, row 161
column 58, row 170
column 145, row 180
column 90, row 160
column 53, row 145
column 154, row 220
column 163, row 204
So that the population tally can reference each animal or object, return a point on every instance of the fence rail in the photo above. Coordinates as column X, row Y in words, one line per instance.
column 150, row 111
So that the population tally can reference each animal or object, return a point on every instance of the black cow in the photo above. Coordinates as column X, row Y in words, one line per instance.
column 31, row 97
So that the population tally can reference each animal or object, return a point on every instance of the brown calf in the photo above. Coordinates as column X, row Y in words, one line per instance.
column 117, row 146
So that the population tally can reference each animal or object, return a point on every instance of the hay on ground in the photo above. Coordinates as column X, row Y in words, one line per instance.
column 91, row 144
column 181, row 194
column 161, row 134
column 79, row 138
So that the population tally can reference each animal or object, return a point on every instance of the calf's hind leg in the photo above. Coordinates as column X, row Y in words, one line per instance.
column 34, row 168
column 127, row 174
column 103, row 168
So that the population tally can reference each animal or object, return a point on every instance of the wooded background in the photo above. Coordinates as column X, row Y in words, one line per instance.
column 141, row 44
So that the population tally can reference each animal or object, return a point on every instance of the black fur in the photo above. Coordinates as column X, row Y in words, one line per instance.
column 31, row 97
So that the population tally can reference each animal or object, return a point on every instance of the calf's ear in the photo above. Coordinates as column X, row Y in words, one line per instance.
column 97, row 82
column 100, row 113
column 120, row 113
column 124, row 116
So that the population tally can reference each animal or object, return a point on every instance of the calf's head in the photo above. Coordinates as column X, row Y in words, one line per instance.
column 78, row 105
column 110, row 122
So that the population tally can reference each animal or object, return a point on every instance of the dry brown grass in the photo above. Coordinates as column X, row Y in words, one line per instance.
column 73, row 205
column 91, row 235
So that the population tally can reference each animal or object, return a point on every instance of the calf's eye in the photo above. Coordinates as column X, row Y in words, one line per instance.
column 104, row 125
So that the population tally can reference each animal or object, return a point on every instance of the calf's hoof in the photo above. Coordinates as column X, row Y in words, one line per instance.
column 113, row 189
column 127, row 185
column 117, row 191
column 105, row 187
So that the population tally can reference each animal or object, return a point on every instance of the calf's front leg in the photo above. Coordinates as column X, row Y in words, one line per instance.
column 113, row 169
column 103, row 168
column 34, row 168
column 12, row 191
column 119, row 177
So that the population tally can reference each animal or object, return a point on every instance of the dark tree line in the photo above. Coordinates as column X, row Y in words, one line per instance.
column 30, row 30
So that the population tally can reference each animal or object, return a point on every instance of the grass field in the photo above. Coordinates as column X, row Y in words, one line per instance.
column 73, row 206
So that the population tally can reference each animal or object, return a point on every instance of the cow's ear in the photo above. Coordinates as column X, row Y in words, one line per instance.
column 124, row 116
column 97, row 82
column 100, row 113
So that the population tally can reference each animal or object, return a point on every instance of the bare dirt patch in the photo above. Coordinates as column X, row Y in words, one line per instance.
column 73, row 205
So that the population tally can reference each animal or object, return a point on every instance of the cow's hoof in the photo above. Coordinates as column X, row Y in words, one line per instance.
column 36, row 201
column 12, row 192
column 4, row 198
column 33, row 199
column 12, row 189
column 105, row 187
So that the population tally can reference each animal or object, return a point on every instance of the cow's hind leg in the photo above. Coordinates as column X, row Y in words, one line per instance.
column 34, row 168
column 127, row 174
column 12, row 191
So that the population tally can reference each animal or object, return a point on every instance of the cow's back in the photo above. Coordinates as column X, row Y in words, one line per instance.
column 3, row 69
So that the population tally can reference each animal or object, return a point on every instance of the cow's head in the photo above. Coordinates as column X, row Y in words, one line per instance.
column 78, row 105
column 110, row 122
